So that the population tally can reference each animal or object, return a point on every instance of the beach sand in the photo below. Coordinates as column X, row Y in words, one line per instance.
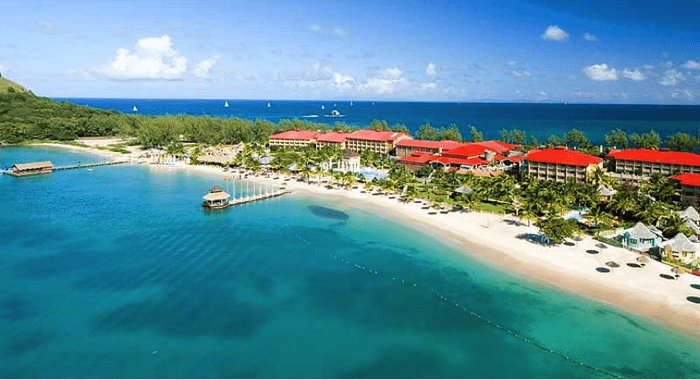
column 651, row 291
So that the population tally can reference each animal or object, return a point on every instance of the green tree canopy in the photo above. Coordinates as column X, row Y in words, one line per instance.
column 617, row 138
column 427, row 132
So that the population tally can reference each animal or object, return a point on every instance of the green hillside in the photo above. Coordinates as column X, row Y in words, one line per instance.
column 6, row 83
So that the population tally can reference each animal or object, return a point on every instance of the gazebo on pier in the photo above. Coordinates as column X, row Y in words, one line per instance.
column 216, row 199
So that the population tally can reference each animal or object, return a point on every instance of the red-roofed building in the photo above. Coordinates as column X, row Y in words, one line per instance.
column 332, row 139
column 464, row 155
column 690, row 187
column 650, row 161
column 561, row 164
column 294, row 138
column 378, row 141
column 406, row 147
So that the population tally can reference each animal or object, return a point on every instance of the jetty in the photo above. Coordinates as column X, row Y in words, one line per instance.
column 90, row 165
column 217, row 198
column 46, row 167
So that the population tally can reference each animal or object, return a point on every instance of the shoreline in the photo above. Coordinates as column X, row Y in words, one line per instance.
column 492, row 240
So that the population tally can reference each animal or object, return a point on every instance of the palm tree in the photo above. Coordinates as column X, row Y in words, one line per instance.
column 306, row 173
column 529, row 213
column 411, row 194
column 349, row 179
column 673, row 224
column 599, row 177
column 597, row 216
column 652, row 212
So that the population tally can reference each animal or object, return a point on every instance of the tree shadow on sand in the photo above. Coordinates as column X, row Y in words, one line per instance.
column 602, row 270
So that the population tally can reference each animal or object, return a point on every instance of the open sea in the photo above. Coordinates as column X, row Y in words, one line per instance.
column 538, row 119
column 119, row 273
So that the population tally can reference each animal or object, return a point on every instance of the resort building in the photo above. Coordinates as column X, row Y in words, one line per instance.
column 466, row 156
column 561, row 164
column 641, row 238
column 407, row 147
column 378, row 141
column 648, row 161
column 31, row 168
column 336, row 139
column 680, row 247
column 294, row 138
column 690, row 187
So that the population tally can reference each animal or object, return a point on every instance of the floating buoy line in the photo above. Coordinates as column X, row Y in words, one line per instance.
column 467, row 311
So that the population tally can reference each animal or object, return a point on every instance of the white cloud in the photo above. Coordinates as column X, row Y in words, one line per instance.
column 428, row 87
column 48, row 27
column 684, row 93
column 152, row 58
column 692, row 65
column 431, row 69
column 339, row 32
column 589, row 37
column 635, row 75
column 319, row 77
column 601, row 72
column 521, row 73
column 203, row 68
column 648, row 67
column 386, row 81
column 555, row 33
column 316, row 28
column 672, row 77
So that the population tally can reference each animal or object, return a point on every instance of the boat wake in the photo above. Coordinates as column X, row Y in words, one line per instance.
column 310, row 116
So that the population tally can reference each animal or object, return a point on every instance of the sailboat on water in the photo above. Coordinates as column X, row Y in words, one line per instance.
column 268, row 104
column 351, row 103
column 226, row 104
column 134, row 109
column 323, row 107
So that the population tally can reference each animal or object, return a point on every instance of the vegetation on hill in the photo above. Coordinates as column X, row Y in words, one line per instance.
column 6, row 83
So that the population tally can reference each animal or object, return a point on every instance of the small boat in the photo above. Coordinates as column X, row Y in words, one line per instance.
column 268, row 104
column 351, row 103
column 323, row 107
column 226, row 104
column 335, row 113
column 134, row 109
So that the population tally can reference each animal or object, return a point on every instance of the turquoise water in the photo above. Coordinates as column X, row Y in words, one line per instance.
column 118, row 272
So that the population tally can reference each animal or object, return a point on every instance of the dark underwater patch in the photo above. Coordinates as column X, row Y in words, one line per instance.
column 328, row 213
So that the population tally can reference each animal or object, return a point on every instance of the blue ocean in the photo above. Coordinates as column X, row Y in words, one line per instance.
column 538, row 119
column 119, row 273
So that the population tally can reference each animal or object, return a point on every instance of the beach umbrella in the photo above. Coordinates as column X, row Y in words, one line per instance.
column 677, row 271
column 612, row 264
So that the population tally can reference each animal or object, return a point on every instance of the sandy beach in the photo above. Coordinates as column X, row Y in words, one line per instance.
column 651, row 291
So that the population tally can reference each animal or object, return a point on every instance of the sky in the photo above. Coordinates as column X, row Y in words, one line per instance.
column 594, row 51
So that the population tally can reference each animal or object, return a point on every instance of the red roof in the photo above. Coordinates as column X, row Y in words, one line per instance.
column 295, row 134
column 477, row 149
column 428, row 144
column 657, row 156
column 375, row 135
column 420, row 158
column 563, row 157
column 474, row 161
column 688, row 179
column 336, row 137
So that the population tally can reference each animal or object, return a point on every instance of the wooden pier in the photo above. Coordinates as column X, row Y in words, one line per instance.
column 90, row 165
column 258, row 197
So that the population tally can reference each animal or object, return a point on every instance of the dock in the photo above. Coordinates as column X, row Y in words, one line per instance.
column 90, row 165
column 258, row 197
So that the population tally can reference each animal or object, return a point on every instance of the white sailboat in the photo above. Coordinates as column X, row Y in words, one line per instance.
column 226, row 104
column 268, row 104
column 323, row 107
column 134, row 109
column 351, row 103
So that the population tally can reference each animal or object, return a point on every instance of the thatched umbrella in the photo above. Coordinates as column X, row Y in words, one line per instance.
column 643, row 260
column 612, row 264
column 601, row 245
column 677, row 271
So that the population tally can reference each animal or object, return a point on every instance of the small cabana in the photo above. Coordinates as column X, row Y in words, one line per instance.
column 680, row 247
column 641, row 238
column 217, row 198
column 606, row 192
column 31, row 168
